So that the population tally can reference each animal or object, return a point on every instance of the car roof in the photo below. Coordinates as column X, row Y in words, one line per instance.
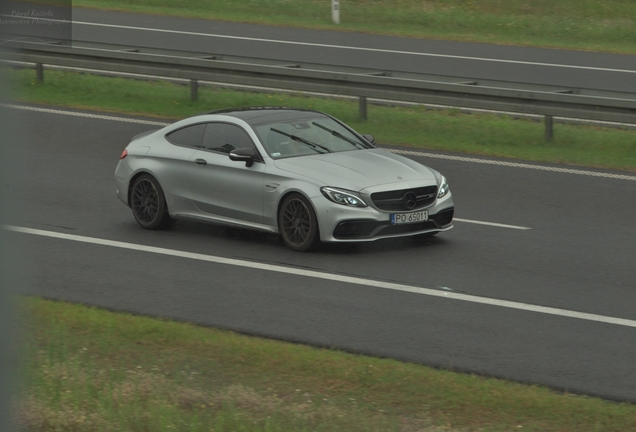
column 259, row 115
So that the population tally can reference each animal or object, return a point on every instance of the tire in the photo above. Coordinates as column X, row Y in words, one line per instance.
column 297, row 223
column 148, row 203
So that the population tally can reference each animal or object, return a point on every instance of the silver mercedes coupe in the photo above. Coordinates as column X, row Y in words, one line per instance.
column 300, row 173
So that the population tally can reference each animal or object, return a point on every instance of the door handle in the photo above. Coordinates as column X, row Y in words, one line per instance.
column 200, row 162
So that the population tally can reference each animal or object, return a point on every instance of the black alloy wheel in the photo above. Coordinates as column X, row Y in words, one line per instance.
column 149, row 204
column 297, row 223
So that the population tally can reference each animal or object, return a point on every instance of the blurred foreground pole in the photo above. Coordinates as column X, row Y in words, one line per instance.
column 8, row 260
column 12, row 257
column 7, row 263
column 335, row 11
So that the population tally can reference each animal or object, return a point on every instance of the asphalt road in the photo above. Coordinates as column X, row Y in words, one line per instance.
column 472, row 61
column 578, row 256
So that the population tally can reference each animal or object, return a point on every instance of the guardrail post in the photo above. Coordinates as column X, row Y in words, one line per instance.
column 194, row 87
column 549, row 129
column 335, row 11
column 363, row 108
column 39, row 72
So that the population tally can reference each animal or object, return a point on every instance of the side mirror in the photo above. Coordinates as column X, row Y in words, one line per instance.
column 246, row 155
column 369, row 138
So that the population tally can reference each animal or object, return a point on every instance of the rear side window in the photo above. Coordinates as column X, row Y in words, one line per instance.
column 190, row 136
column 225, row 137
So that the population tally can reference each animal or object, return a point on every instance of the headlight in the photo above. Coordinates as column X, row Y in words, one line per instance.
column 344, row 197
column 443, row 188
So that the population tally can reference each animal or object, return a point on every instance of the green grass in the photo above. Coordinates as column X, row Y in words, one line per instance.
column 87, row 370
column 608, row 25
column 448, row 130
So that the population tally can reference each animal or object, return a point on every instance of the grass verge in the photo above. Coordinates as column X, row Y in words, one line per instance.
column 87, row 369
column 607, row 25
column 448, row 130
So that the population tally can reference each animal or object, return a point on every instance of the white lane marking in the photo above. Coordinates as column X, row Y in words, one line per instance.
column 513, row 164
column 491, row 224
column 344, row 47
column 404, row 152
column 331, row 277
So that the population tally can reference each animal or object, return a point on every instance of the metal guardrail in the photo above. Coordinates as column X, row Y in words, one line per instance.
column 541, row 100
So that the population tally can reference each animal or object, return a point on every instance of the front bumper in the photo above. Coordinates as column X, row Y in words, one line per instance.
column 339, row 223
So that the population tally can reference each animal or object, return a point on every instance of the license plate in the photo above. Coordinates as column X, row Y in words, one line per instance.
column 407, row 218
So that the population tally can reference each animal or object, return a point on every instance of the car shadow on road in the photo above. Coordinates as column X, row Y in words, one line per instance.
column 240, row 238
column 382, row 246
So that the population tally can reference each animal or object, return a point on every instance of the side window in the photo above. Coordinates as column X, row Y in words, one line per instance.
column 190, row 136
column 225, row 137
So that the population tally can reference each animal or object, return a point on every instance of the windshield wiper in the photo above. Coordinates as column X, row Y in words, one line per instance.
column 339, row 135
column 313, row 145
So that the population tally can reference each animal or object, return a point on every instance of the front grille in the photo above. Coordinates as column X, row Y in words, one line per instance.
column 405, row 199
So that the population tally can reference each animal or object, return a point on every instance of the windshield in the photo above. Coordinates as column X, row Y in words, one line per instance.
column 309, row 136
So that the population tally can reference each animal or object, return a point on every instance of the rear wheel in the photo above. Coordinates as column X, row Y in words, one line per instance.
column 148, row 203
column 297, row 223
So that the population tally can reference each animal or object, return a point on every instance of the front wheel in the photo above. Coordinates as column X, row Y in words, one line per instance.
column 297, row 223
column 148, row 203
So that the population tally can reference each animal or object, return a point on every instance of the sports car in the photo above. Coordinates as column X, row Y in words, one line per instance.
column 302, row 174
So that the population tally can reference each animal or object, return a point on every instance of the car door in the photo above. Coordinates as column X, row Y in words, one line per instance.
column 170, row 163
column 223, row 187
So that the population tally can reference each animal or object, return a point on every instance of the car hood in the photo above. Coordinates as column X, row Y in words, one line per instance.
column 359, row 169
